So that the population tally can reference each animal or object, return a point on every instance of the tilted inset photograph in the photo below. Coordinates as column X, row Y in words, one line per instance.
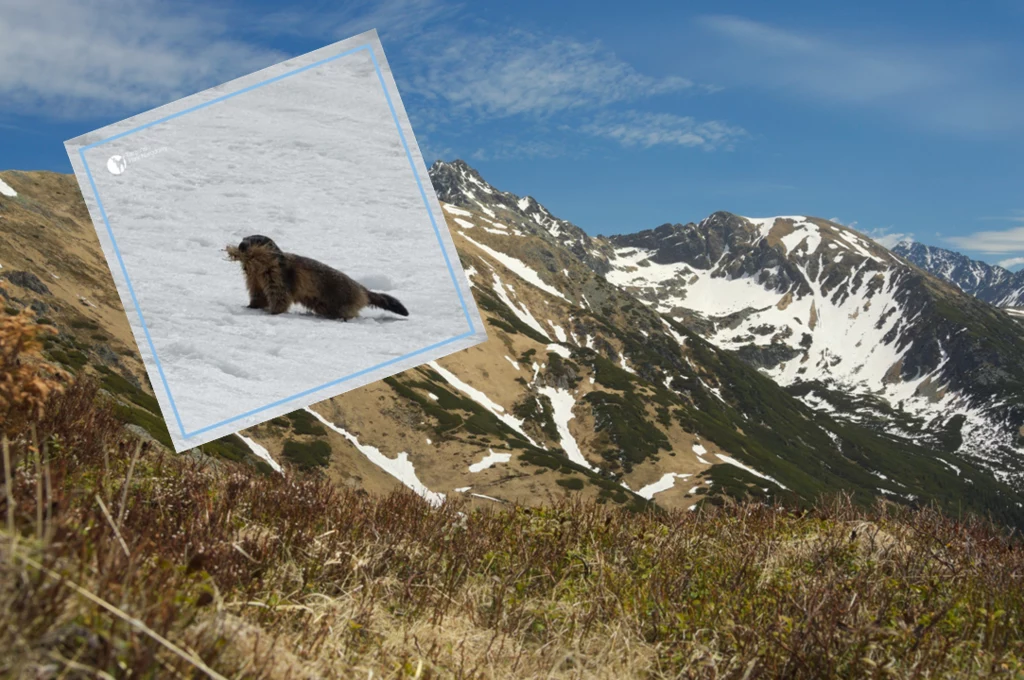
column 275, row 241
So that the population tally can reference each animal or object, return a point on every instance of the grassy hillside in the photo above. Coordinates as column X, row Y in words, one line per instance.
column 120, row 559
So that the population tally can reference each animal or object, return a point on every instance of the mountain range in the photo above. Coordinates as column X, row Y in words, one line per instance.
column 840, row 322
column 993, row 284
column 778, row 358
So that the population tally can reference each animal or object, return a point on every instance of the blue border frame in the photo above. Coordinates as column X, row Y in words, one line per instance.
column 423, row 195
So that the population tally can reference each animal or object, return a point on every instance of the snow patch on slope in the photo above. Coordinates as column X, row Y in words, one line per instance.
column 518, row 267
column 490, row 460
column 804, row 234
column 625, row 366
column 399, row 467
column 455, row 211
column 667, row 481
column 732, row 461
column 522, row 312
column 487, row 498
column 703, row 293
column 482, row 399
column 560, row 350
column 562, row 403
column 260, row 452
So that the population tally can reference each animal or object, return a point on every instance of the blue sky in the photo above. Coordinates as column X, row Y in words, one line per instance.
column 905, row 121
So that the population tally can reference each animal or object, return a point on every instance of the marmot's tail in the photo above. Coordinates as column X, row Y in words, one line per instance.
column 387, row 302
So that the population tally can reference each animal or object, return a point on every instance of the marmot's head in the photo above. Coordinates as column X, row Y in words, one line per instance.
column 256, row 242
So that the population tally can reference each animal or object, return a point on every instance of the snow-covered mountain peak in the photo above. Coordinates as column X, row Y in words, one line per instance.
column 460, row 185
column 810, row 301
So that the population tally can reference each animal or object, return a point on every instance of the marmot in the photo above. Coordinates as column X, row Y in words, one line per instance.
column 276, row 280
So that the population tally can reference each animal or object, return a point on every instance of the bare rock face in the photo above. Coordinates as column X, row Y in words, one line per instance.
column 29, row 281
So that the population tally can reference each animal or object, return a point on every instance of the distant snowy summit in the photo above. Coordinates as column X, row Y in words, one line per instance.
column 991, row 283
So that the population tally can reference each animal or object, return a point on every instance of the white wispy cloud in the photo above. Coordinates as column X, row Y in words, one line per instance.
column 88, row 58
column 503, row 149
column 991, row 242
column 401, row 20
column 645, row 129
column 471, row 76
column 886, row 237
column 516, row 72
column 1015, row 216
column 959, row 87
column 477, row 69
column 1011, row 262
column 80, row 58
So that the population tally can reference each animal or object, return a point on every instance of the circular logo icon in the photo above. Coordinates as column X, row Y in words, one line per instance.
column 117, row 164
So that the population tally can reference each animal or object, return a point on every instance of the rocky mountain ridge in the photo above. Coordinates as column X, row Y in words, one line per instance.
column 991, row 283
column 836, row 319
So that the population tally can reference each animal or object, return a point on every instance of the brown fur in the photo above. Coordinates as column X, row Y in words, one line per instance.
column 276, row 280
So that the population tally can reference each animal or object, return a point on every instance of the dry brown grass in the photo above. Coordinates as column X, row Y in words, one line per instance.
column 26, row 380
column 120, row 561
